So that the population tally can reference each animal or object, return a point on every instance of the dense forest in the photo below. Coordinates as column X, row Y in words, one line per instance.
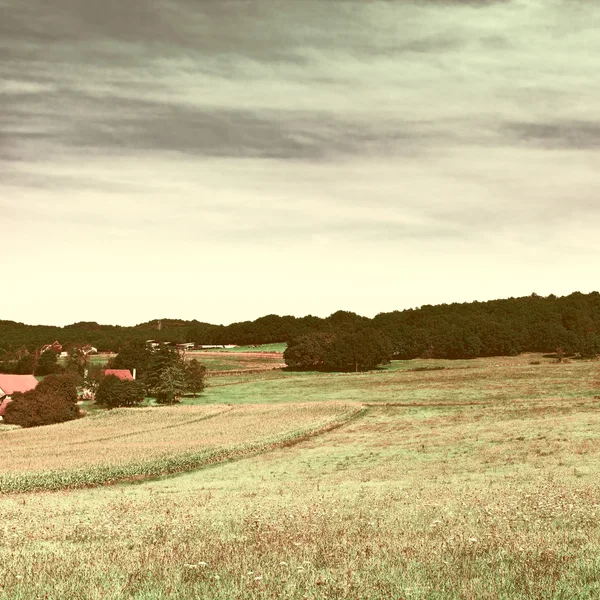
column 498, row 327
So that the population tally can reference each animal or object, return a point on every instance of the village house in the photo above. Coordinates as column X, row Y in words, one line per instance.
column 11, row 384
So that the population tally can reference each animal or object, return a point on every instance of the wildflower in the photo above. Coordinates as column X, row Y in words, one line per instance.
column 473, row 540
column 283, row 563
column 259, row 578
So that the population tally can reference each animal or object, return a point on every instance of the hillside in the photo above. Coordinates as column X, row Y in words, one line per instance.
column 467, row 330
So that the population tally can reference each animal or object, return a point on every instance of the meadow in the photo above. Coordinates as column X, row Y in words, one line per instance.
column 478, row 480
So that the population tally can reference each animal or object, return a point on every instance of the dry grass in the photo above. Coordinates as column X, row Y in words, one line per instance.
column 496, row 501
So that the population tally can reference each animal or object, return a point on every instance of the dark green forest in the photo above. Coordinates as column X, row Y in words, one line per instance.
column 494, row 328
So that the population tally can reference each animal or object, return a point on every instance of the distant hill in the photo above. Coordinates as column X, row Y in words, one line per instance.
column 497, row 327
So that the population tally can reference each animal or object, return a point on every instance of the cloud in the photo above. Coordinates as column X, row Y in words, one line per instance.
column 405, row 133
column 576, row 134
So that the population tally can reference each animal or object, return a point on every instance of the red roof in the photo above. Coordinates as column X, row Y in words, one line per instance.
column 9, row 384
column 122, row 374
column 3, row 405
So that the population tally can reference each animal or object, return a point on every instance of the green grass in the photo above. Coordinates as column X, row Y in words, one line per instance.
column 460, row 382
column 494, row 496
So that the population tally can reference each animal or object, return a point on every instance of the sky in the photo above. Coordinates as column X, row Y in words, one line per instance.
column 222, row 160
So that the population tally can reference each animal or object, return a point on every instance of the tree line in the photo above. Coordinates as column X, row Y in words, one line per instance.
column 467, row 330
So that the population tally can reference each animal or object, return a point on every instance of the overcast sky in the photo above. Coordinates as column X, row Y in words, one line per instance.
column 222, row 160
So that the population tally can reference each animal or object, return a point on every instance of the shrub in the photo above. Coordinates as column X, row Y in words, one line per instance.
column 53, row 401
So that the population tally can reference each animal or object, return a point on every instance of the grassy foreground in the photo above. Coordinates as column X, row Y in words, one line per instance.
column 479, row 483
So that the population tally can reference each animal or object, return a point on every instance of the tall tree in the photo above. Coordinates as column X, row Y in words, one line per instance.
column 47, row 363
column 194, row 377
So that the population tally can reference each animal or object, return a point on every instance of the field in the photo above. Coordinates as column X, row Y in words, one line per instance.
column 124, row 444
column 277, row 348
column 236, row 361
column 478, row 480
column 265, row 357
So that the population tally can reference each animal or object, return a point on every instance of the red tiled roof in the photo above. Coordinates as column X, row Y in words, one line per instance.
column 9, row 384
column 122, row 374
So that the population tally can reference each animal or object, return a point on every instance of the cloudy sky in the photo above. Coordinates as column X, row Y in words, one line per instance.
column 226, row 159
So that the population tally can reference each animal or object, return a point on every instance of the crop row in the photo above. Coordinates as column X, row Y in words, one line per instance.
column 106, row 474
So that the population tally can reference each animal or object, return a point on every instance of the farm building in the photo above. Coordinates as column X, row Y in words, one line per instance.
column 55, row 347
column 186, row 346
column 88, row 349
column 122, row 374
column 215, row 346
column 10, row 384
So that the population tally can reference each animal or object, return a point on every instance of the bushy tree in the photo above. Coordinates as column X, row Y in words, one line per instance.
column 114, row 392
column 194, row 377
column 47, row 363
column 358, row 351
column 308, row 351
column 161, row 358
column 343, row 351
column 26, row 365
column 134, row 355
column 171, row 384
column 53, row 401
column 169, row 377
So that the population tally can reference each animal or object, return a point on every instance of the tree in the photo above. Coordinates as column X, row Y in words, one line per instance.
column 194, row 377
column 161, row 359
column 114, row 392
column 26, row 365
column 47, row 363
column 76, row 361
column 308, row 351
column 358, row 351
column 134, row 355
column 54, row 400
column 171, row 385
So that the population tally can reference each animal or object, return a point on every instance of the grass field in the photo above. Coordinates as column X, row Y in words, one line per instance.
column 236, row 361
column 132, row 443
column 476, row 481
column 278, row 348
